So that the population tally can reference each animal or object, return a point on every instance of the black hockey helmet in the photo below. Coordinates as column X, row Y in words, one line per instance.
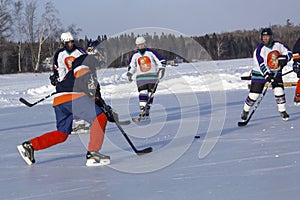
column 266, row 31
column 269, row 32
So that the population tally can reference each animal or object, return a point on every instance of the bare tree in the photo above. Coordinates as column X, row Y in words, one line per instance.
column 5, row 32
column 5, row 19
column 4, row 61
column 46, row 28
column 74, row 30
column 18, row 17
column 30, row 17
column 220, row 48
column 54, row 38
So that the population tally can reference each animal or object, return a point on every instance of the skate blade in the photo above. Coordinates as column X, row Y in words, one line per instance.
column 136, row 119
column 94, row 163
column 79, row 132
column 23, row 154
column 126, row 122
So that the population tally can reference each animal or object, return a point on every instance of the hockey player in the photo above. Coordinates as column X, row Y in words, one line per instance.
column 150, row 68
column 269, row 58
column 63, row 58
column 62, row 63
column 296, row 68
column 75, row 97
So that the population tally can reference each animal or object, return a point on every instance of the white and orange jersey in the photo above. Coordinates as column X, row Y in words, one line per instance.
column 265, row 57
column 147, row 62
column 63, row 60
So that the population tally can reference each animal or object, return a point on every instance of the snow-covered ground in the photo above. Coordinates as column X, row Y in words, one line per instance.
column 259, row 161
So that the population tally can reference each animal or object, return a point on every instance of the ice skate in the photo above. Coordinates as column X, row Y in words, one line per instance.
column 284, row 116
column 27, row 152
column 94, row 158
column 244, row 115
column 145, row 113
column 296, row 103
column 297, row 100
column 80, row 127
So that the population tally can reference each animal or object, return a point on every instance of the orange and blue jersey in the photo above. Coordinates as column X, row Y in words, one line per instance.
column 65, row 90
column 69, row 102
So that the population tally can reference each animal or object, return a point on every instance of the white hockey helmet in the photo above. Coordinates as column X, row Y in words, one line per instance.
column 66, row 37
column 140, row 40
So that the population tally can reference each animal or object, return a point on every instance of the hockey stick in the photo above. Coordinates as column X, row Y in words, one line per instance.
column 137, row 119
column 249, row 77
column 244, row 123
column 138, row 152
column 24, row 101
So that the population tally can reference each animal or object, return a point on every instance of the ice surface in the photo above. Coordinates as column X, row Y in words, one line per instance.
column 258, row 161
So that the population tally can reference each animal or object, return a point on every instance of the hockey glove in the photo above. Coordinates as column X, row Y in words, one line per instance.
column 282, row 61
column 53, row 79
column 129, row 76
column 269, row 76
column 296, row 68
column 109, row 113
column 161, row 73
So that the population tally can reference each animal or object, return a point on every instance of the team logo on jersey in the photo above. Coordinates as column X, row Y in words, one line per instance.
column 144, row 63
column 272, row 59
column 68, row 62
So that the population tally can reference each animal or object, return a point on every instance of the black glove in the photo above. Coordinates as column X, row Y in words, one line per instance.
column 161, row 73
column 282, row 60
column 53, row 79
column 129, row 76
column 296, row 67
column 269, row 76
column 109, row 113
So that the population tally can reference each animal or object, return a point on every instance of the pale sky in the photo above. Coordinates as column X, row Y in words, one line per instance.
column 190, row 17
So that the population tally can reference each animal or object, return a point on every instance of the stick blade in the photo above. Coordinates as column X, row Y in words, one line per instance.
column 144, row 151
column 125, row 122
column 136, row 119
column 242, row 123
column 26, row 102
column 245, row 78
column 116, row 118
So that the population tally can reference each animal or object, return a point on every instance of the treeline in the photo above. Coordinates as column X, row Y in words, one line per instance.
column 231, row 45
column 37, row 34
column 28, row 38
column 241, row 43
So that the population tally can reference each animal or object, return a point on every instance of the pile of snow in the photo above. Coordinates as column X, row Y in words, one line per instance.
column 199, row 77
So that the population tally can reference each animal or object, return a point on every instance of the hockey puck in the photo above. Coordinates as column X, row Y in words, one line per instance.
column 197, row 136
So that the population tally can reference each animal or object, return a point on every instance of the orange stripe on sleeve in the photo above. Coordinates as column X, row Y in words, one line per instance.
column 296, row 56
column 80, row 71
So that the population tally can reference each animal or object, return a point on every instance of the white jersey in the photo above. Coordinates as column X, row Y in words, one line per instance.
column 63, row 61
column 266, row 58
column 148, row 62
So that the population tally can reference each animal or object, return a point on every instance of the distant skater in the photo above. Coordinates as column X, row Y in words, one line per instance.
column 150, row 68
